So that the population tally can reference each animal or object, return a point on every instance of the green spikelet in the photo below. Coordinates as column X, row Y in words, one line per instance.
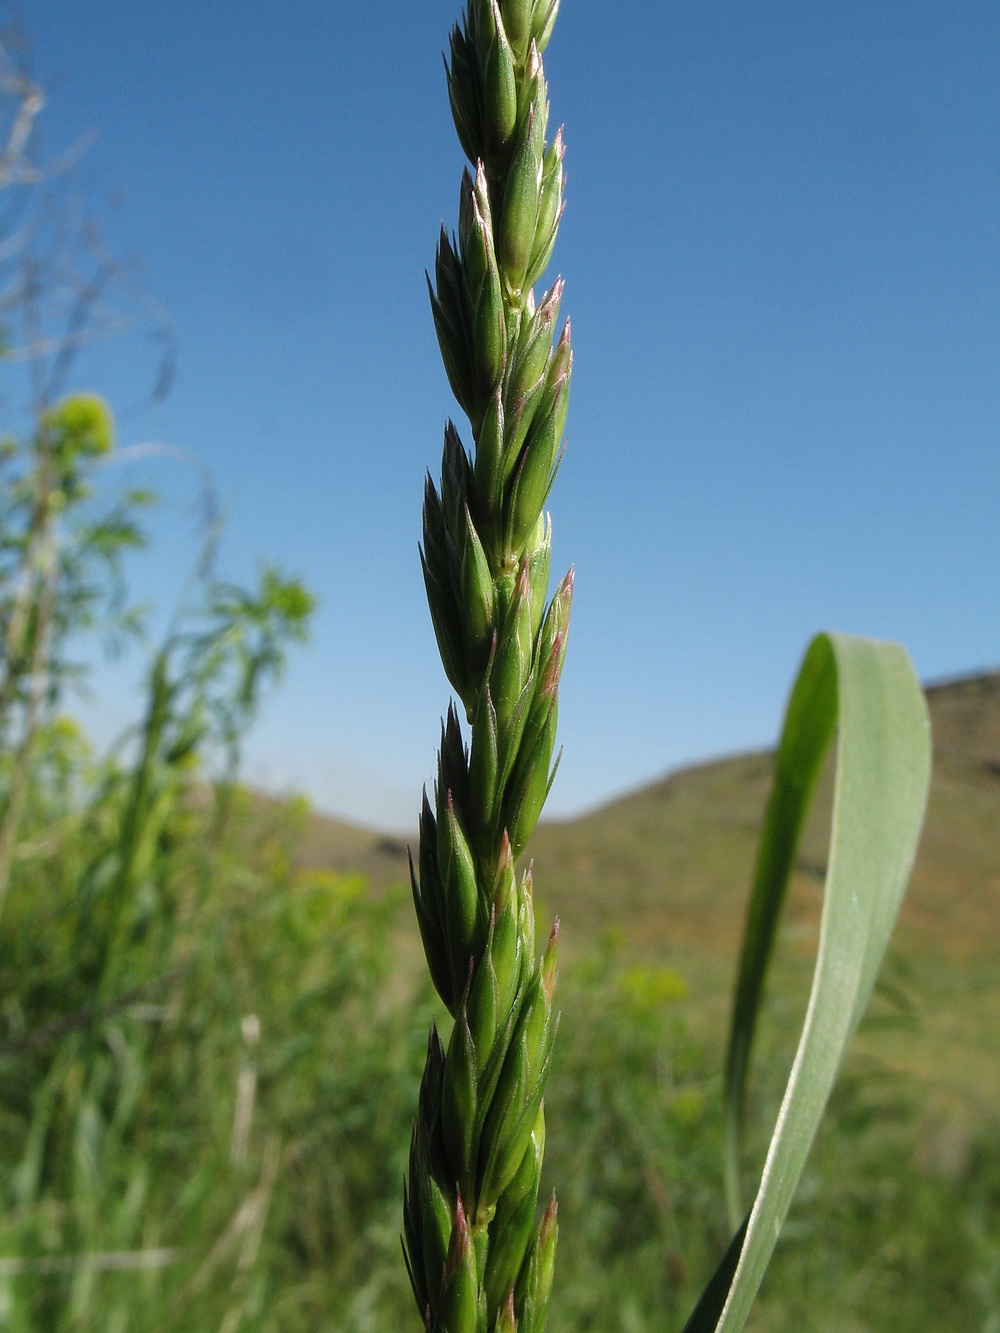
column 478, row 1256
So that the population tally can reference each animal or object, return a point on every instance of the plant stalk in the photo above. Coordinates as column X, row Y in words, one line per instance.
column 477, row 1256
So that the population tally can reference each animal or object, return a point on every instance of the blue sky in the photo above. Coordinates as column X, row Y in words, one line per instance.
column 781, row 255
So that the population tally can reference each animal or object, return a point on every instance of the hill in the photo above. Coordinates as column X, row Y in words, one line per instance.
column 669, row 865
column 664, row 872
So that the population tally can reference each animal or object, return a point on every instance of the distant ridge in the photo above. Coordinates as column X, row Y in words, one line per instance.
column 670, row 864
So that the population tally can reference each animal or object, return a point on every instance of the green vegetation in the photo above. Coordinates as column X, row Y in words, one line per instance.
column 866, row 693
column 259, row 1162
column 212, row 1042
column 210, row 1051
column 477, row 1256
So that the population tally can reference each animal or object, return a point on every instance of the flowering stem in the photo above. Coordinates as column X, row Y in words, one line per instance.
column 475, row 1256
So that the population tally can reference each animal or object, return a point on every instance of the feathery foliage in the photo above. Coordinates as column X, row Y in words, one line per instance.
column 474, row 1254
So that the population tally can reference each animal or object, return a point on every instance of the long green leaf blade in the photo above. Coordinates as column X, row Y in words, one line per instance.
column 810, row 723
column 869, row 692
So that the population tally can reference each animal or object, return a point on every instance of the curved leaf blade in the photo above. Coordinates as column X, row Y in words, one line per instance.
column 810, row 723
column 870, row 691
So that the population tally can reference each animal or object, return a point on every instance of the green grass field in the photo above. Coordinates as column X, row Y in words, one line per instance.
column 667, row 870
column 657, row 881
column 218, row 1143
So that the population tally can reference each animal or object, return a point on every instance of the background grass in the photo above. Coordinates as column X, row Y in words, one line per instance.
column 234, row 1112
